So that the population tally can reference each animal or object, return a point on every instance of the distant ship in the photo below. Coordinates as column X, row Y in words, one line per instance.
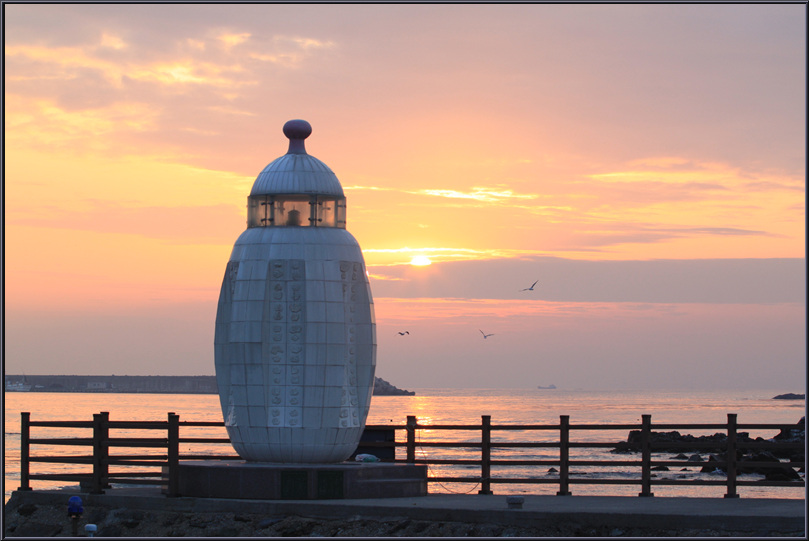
column 18, row 386
column 548, row 387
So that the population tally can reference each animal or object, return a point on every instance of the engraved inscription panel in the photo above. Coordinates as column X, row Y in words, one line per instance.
column 284, row 341
column 356, row 305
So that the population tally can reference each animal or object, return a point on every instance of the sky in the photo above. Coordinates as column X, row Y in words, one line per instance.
column 644, row 164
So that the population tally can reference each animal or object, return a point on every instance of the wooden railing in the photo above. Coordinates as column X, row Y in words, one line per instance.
column 166, row 464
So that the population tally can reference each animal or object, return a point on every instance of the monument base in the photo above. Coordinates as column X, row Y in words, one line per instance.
column 268, row 481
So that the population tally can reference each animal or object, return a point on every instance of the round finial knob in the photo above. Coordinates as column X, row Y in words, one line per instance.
column 297, row 131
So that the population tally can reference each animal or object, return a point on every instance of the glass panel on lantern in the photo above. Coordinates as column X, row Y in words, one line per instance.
column 340, row 213
column 258, row 211
column 327, row 211
column 292, row 210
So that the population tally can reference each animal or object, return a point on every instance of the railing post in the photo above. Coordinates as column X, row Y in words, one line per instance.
column 564, row 455
column 25, row 450
column 173, row 452
column 485, row 454
column 646, row 456
column 731, row 457
column 101, row 451
column 411, row 438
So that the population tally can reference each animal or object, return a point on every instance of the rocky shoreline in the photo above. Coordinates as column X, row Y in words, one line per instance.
column 31, row 520
column 746, row 461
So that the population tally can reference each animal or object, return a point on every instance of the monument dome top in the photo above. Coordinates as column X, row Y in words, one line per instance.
column 296, row 172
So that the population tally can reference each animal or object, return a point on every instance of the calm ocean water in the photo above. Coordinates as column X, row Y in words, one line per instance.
column 439, row 406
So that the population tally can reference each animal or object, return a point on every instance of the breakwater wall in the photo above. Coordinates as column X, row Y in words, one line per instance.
column 141, row 384
column 118, row 384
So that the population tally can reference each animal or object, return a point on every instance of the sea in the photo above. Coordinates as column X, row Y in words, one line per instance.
column 435, row 407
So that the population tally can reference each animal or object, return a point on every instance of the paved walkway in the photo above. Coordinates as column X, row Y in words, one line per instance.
column 738, row 514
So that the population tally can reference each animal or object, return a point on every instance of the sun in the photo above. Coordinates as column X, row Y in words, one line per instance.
column 420, row 261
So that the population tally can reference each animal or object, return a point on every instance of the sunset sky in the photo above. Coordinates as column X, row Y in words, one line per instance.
column 644, row 163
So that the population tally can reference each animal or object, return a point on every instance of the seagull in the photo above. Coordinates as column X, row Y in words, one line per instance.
column 530, row 288
column 404, row 333
column 485, row 335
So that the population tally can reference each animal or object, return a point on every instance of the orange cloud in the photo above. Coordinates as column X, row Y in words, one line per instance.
column 392, row 311
column 488, row 195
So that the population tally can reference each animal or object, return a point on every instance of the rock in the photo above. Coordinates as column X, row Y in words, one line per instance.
column 38, row 529
column 96, row 515
column 747, row 462
column 227, row 531
column 782, row 474
column 383, row 388
column 712, row 468
column 796, row 434
column 27, row 509
column 790, row 396
column 112, row 530
column 267, row 522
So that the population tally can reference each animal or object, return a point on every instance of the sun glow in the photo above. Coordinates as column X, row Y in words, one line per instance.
column 420, row 261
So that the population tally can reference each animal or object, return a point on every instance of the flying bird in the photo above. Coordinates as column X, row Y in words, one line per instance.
column 486, row 335
column 530, row 288
column 404, row 333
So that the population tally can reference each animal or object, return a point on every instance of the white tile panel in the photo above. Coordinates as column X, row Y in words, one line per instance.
column 256, row 290
column 335, row 333
column 255, row 376
column 252, row 354
column 331, row 418
column 239, row 394
column 315, row 332
column 335, row 312
column 237, row 331
column 311, row 252
column 335, row 357
column 257, row 415
column 315, row 360
column 252, row 251
column 258, row 435
column 313, row 395
column 254, row 310
column 314, row 270
column 334, row 291
column 332, row 395
column 253, row 330
column 315, row 291
column 331, row 268
column 311, row 438
column 296, row 437
column 237, row 374
column 241, row 289
column 255, row 395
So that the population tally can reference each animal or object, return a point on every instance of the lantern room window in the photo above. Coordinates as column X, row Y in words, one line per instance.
column 296, row 211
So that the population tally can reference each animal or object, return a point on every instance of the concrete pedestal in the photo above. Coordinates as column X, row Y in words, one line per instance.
column 268, row 481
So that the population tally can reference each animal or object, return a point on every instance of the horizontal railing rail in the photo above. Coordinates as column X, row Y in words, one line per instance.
column 165, row 464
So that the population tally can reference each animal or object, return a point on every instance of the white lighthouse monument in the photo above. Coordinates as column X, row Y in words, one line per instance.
column 295, row 339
